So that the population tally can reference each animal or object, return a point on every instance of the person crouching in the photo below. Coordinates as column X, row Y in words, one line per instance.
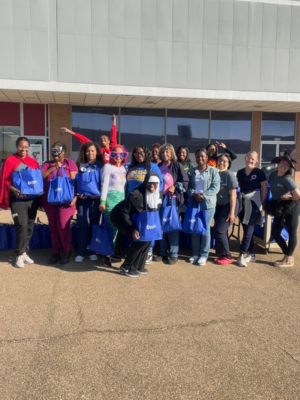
column 145, row 197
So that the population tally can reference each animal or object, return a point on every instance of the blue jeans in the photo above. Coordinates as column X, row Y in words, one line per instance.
column 87, row 210
column 169, row 244
column 202, row 250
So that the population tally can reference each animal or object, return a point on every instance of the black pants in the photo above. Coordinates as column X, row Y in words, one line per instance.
column 137, row 252
column 23, row 214
column 221, row 229
column 291, row 225
column 247, row 245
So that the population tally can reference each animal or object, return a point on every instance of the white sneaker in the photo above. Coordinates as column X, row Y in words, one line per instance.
column 93, row 257
column 79, row 259
column 202, row 261
column 19, row 262
column 250, row 258
column 241, row 261
column 193, row 259
column 27, row 259
column 149, row 259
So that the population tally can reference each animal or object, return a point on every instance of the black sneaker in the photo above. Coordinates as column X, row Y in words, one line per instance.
column 143, row 271
column 173, row 260
column 54, row 259
column 160, row 258
column 66, row 258
column 115, row 258
column 106, row 262
column 132, row 274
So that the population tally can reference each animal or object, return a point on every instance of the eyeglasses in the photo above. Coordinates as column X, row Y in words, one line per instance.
column 23, row 148
column 139, row 153
column 115, row 154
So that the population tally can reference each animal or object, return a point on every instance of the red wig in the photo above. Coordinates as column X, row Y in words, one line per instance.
column 111, row 160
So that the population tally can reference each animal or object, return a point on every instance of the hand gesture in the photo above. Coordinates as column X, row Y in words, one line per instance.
column 221, row 145
column 64, row 130
column 114, row 119
column 58, row 165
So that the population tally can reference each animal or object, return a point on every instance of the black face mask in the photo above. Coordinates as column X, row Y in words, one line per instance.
column 56, row 151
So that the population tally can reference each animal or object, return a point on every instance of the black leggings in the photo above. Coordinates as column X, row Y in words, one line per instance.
column 292, row 225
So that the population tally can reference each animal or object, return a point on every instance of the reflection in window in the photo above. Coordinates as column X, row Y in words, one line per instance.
column 142, row 126
column 233, row 129
column 8, row 137
column 187, row 128
column 92, row 122
column 278, row 126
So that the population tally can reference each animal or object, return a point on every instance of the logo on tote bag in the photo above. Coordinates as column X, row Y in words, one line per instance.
column 58, row 189
column 151, row 226
column 167, row 219
column 32, row 182
column 98, row 240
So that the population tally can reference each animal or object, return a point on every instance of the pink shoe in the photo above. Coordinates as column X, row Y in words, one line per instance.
column 225, row 261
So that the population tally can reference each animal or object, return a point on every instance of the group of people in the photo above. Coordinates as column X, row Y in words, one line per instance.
column 129, row 188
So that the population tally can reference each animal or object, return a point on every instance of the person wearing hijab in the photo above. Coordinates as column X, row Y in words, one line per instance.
column 23, row 210
column 212, row 152
column 145, row 197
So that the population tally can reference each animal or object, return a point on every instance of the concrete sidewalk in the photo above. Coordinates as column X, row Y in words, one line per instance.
column 180, row 332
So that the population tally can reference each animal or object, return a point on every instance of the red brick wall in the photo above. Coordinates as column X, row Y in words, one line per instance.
column 60, row 115
column 256, row 132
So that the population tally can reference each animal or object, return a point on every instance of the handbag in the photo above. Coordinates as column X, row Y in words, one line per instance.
column 194, row 220
column 102, row 238
column 44, row 234
column 169, row 216
column 88, row 182
column 35, row 242
column 148, row 224
column 61, row 189
column 11, row 236
column 29, row 182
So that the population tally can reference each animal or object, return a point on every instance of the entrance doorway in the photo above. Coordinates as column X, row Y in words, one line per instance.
column 271, row 149
column 38, row 148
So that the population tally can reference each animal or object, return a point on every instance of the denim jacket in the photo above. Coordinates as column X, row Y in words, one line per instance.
column 211, row 186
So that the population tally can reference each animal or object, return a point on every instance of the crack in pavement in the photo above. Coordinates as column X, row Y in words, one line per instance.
column 289, row 354
column 80, row 333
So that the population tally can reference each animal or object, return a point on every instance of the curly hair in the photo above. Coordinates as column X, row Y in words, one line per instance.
column 168, row 146
column 187, row 158
column 82, row 158
column 148, row 157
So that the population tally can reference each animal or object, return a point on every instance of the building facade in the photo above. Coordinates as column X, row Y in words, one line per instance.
column 188, row 72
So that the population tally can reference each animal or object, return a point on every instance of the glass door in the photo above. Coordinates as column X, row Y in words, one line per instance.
column 38, row 148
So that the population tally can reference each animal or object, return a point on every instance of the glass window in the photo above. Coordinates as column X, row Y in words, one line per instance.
column 8, row 137
column 142, row 126
column 278, row 126
column 188, row 128
column 92, row 122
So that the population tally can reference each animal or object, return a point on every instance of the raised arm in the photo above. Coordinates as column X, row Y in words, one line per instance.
column 113, row 131
column 80, row 138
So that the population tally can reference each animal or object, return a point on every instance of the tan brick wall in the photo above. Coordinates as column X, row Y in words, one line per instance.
column 297, row 173
column 60, row 115
column 256, row 132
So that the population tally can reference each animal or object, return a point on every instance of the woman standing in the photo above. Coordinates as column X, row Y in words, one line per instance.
column 175, row 184
column 155, row 153
column 285, row 207
column 253, row 185
column 212, row 152
column 59, row 217
column 105, row 144
column 87, row 207
column 140, row 165
column 23, row 210
column 203, row 188
column 183, row 156
column 226, row 210
column 113, row 180
column 146, row 197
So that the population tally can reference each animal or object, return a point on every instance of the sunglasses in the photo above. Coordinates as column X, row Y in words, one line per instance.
column 115, row 154
column 56, row 151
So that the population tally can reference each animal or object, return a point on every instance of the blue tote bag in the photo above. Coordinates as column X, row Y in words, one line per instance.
column 194, row 219
column 11, row 236
column 169, row 216
column 61, row 189
column 88, row 182
column 102, row 239
column 29, row 182
column 149, row 226
column 35, row 242
column 3, row 238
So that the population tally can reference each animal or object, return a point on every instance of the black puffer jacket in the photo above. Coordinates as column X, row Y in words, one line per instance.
column 180, row 178
column 135, row 202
